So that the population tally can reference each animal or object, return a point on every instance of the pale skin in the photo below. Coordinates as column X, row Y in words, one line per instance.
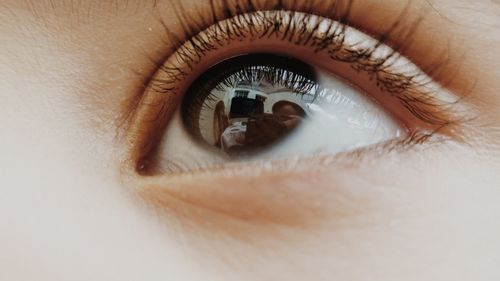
column 71, row 208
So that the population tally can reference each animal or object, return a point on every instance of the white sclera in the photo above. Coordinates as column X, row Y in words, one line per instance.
column 342, row 119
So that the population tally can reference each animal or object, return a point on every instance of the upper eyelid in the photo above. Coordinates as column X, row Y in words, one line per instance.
column 191, row 28
column 192, row 49
column 398, row 30
column 398, row 34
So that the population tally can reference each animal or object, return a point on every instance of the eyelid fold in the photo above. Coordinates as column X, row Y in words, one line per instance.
column 339, row 42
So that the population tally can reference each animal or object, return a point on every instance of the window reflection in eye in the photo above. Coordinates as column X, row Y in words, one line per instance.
column 251, row 87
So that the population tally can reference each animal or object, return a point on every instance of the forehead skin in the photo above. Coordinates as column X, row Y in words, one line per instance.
column 69, row 69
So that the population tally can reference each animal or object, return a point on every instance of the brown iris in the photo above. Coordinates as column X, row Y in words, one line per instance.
column 249, row 103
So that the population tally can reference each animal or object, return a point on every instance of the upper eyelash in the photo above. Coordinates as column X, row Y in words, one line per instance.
column 295, row 76
column 245, row 19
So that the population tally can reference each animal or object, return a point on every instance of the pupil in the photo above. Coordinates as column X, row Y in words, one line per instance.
column 249, row 103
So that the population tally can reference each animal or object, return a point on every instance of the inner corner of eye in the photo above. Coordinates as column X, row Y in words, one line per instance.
column 269, row 105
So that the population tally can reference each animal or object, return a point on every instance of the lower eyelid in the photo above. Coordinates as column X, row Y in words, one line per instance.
column 276, row 196
column 251, row 200
column 292, row 192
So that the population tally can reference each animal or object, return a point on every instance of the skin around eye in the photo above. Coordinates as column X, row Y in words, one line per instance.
column 266, row 106
column 68, row 70
column 401, row 88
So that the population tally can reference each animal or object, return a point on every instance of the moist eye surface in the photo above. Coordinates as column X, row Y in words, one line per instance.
column 249, row 103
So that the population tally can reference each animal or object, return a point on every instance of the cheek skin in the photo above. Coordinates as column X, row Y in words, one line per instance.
column 323, row 212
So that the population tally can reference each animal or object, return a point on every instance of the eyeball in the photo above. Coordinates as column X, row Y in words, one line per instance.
column 267, row 106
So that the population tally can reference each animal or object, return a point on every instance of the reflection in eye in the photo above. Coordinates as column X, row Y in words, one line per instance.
column 248, row 103
column 267, row 103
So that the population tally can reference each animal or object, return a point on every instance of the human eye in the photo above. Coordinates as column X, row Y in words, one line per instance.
column 268, row 84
